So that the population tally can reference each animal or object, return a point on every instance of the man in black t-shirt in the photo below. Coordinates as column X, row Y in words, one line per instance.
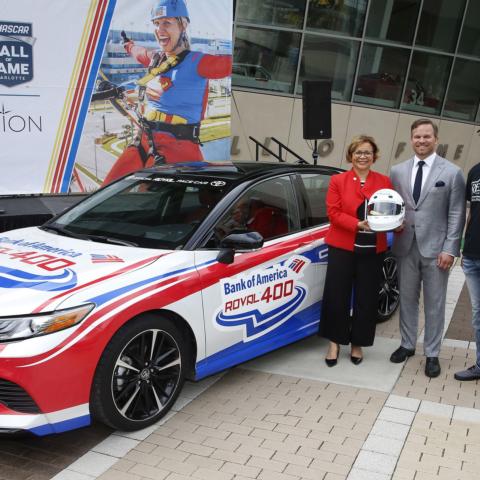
column 471, row 264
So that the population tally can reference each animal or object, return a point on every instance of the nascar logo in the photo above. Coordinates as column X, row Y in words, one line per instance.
column 16, row 53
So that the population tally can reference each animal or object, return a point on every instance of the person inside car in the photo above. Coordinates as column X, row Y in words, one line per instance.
column 235, row 220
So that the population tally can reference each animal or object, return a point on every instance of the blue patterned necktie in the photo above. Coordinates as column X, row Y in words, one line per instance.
column 417, row 186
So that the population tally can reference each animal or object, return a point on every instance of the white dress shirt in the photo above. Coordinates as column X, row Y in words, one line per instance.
column 425, row 169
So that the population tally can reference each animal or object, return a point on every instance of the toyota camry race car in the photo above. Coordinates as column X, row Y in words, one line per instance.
column 169, row 273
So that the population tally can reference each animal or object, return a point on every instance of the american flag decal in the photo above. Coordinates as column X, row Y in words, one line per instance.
column 96, row 258
column 297, row 265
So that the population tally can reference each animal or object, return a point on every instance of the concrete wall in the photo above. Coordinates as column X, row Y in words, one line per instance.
column 262, row 116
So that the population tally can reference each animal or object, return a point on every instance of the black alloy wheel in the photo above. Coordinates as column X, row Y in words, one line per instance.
column 389, row 296
column 140, row 374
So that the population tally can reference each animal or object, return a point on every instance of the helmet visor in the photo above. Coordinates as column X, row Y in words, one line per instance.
column 384, row 208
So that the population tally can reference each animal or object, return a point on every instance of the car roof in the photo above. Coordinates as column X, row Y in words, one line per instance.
column 237, row 171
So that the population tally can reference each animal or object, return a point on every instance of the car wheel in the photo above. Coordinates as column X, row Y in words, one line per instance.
column 140, row 373
column 389, row 296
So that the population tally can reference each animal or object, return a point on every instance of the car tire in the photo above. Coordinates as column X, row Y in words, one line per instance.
column 140, row 373
column 389, row 295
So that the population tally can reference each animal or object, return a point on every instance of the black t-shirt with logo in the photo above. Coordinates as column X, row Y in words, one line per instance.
column 471, row 247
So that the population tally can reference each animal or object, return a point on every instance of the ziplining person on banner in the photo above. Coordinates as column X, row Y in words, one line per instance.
column 176, row 90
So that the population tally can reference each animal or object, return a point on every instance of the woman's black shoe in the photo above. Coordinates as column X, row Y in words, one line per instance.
column 356, row 360
column 331, row 362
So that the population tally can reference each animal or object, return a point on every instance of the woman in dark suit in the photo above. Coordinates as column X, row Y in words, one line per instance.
column 355, row 254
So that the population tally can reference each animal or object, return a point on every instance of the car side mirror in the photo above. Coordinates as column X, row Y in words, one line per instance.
column 226, row 256
column 238, row 242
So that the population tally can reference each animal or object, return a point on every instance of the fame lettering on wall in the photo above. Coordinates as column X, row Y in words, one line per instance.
column 326, row 147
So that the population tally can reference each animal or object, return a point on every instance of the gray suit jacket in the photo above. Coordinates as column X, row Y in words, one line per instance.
column 437, row 220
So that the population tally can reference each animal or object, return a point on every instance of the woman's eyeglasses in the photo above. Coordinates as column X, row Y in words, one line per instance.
column 363, row 154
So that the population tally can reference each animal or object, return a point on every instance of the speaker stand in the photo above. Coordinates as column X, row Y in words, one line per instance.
column 315, row 152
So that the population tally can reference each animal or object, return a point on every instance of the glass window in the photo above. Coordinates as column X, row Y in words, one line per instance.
column 337, row 16
column 154, row 212
column 426, row 84
column 284, row 13
column 470, row 37
column 381, row 76
column 393, row 20
column 464, row 91
column 329, row 59
column 268, row 208
column 265, row 59
column 316, row 186
column 439, row 24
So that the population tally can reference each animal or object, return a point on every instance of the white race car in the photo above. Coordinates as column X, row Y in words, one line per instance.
column 169, row 273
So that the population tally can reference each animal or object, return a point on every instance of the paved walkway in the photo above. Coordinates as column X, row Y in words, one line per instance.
column 286, row 416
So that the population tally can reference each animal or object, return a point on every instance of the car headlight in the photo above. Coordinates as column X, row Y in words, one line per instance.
column 14, row 328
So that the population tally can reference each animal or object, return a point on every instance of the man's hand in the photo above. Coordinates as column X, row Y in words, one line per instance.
column 399, row 228
column 124, row 37
column 445, row 261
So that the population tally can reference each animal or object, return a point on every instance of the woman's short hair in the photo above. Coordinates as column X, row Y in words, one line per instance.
column 356, row 141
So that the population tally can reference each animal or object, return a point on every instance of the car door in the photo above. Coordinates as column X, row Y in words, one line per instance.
column 312, row 188
column 264, row 299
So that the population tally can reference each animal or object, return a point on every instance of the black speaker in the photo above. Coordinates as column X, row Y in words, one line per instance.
column 317, row 109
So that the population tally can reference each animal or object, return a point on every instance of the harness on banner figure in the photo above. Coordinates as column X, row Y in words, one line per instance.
column 116, row 94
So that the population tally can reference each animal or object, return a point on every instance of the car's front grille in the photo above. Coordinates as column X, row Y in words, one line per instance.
column 16, row 398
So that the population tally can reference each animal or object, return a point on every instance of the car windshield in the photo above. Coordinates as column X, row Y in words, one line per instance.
column 146, row 211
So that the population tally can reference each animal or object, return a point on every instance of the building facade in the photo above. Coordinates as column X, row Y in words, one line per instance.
column 389, row 61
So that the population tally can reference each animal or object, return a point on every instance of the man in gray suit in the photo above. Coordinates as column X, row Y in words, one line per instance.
column 433, row 190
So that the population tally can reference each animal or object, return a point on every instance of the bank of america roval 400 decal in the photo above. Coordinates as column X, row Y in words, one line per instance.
column 261, row 300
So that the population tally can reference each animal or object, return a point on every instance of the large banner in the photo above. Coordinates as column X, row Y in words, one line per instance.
column 93, row 89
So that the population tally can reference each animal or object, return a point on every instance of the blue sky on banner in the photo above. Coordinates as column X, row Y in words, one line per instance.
column 207, row 17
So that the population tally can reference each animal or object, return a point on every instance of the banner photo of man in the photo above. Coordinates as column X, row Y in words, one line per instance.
column 162, row 93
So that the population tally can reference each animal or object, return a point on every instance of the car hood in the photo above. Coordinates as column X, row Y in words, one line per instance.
column 37, row 266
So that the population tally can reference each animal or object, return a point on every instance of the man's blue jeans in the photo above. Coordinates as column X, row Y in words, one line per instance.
column 471, row 268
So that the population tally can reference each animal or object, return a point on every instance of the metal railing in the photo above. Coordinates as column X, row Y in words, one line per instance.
column 281, row 148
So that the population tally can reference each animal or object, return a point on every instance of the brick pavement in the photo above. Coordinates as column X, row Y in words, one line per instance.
column 443, row 389
column 461, row 328
column 40, row 458
column 256, row 425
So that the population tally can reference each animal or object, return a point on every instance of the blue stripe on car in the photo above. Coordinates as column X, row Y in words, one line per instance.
column 300, row 325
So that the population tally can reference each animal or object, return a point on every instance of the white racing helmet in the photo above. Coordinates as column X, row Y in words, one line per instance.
column 386, row 210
